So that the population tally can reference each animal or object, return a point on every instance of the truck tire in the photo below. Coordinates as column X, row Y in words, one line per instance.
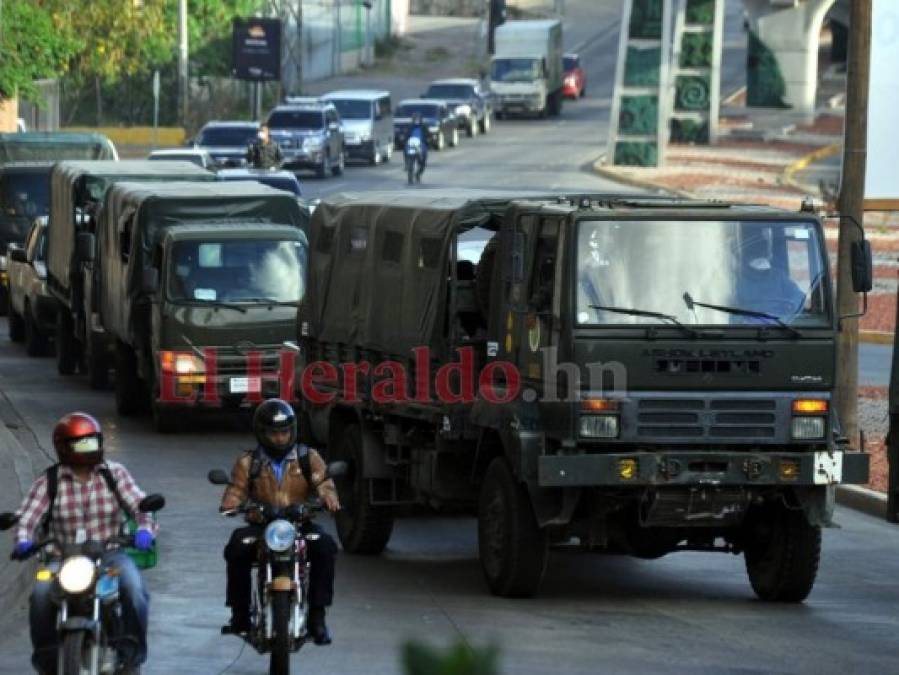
column 472, row 128
column 35, row 342
column 67, row 356
column 454, row 138
column 782, row 556
column 129, row 394
column 338, row 168
column 97, row 366
column 362, row 528
column 485, row 123
column 165, row 419
column 511, row 547
column 440, row 144
column 16, row 326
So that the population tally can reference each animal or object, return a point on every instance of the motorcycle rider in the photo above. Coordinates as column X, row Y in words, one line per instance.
column 279, row 472
column 264, row 153
column 417, row 130
column 82, row 498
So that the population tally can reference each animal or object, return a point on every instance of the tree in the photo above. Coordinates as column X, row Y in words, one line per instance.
column 34, row 44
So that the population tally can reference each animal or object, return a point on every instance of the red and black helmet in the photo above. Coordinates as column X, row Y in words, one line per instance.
column 78, row 439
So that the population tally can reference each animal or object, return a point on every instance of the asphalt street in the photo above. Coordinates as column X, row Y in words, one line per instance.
column 686, row 613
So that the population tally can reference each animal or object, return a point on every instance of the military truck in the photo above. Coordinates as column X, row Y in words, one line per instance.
column 24, row 196
column 76, row 192
column 199, row 285
column 54, row 146
column 620, row 374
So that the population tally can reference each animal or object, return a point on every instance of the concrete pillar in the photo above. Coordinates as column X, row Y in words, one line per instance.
column 782, row 64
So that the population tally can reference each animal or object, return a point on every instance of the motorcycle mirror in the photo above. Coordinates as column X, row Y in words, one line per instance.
column 152, row 503
column 218, row 477
column 7, row 520
column 336, row 469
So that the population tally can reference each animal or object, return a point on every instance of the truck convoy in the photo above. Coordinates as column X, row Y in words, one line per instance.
column 198, row 287
column 526, row 68
column 614, row 373
column 77, row 189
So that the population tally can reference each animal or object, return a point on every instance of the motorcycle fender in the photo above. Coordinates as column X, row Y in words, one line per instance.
column 280, row 584
column 78, row 623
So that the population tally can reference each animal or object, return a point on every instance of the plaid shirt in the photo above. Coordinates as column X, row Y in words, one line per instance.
column 89, row 506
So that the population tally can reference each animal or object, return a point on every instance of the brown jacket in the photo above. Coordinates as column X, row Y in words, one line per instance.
column 293, row 488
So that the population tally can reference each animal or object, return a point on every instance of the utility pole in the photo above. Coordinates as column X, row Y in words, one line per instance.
column 183, row 75
column 893, row 435
column 851, row 206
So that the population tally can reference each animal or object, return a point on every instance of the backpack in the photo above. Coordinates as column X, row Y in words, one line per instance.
column 256, row 465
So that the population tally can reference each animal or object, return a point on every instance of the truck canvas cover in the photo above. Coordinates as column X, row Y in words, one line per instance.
column 54, row 146
column 136, row 216
column 392, row 250
column 74, row 184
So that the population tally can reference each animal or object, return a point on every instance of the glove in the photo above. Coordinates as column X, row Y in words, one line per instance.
column 22, row 550
column 143, row 540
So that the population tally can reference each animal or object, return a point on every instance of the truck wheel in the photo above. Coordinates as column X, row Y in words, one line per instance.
column 16, row 326
column 362, row 527
column 324, row 167
column 35, row 343
column 485, row 123
column 441, row 141
column 454, row 139
column 338, row 168
column 782, row 556
column 129, row 395
column 512, row 548
column 67, row 356
column 472, row 129
column 97, row 367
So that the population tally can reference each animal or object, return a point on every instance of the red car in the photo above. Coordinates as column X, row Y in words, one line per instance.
column 574, row 79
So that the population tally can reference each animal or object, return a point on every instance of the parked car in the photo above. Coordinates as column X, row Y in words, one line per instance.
column 308, row 132
column 471, row 103
column 366, row 118
column 282, row 180
column 197, row 156
column 574, row 79
column 32, row 310
column 441, row 123
column 226, row 141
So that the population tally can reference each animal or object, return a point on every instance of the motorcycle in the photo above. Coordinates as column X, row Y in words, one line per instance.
column 414, row 154
column 279, row 609
column 86, row 589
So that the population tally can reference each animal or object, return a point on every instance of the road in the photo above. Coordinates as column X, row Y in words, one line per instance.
column 687, row 613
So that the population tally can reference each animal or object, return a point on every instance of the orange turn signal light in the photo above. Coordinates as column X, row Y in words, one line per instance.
column 809, row 406
column 599, row 405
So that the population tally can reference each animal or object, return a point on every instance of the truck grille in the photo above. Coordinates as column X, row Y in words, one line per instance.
column 230, row 362
column 697, row 418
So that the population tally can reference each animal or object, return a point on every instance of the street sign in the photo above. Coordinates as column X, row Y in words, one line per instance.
column 256, row 49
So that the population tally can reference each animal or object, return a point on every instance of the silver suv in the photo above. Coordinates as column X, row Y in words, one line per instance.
column 309, row 135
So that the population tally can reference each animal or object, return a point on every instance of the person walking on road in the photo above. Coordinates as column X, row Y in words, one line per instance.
column 264, row 153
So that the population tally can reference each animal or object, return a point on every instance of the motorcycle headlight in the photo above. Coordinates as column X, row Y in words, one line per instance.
column 280, row 535
column 77, row 574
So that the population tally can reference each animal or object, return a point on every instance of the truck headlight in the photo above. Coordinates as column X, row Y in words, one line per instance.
column 77, row 574
column 181, row 363
column 808, row 428
column 599, row 426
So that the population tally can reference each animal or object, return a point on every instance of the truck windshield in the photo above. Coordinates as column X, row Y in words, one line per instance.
column 774, row 268
column 253, row 271
column 352, row 109
column 25, row 194
column 515, row 70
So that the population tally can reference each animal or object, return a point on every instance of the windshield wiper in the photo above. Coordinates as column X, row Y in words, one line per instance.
column 271, row 302
column 739, row 311
column 652, row 315
column 218, row 303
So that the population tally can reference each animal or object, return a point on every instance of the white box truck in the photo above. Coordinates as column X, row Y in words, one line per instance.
column 526, row 68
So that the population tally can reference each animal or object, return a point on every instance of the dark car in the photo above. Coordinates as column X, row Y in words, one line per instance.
column 282, row 180
column 32, row 310
column 574, row 79
column 438, row 119
column 309, row 134
column 24, row 195
column 469, row 101
column 226, row 142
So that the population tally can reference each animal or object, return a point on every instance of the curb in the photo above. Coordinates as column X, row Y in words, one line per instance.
column 788, row 177
column 604, row 172
column 862, row 499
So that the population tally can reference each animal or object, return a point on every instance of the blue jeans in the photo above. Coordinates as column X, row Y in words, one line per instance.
column 130, row 640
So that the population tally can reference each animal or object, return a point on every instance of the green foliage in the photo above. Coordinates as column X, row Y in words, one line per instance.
column 696, row 50
column 636, row 153
column 33, row 44
column 700, row 11
column 642, row 67
column 692, row 92
column 689, row 131
column 646, row 19
column 419, row 659
column 639, row 115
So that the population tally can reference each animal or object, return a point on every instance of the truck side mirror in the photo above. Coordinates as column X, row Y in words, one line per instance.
column 17, row 254
column 150, row 280
column 862, row 266
column 85, row 245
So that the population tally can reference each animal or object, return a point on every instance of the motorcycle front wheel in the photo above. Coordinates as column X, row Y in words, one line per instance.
column 77, row 654
column 410, row 170
column 280, row 658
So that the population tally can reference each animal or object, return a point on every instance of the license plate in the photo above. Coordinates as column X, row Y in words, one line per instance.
column 245, row 385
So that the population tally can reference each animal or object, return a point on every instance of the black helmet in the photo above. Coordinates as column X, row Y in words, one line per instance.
column 275, row 415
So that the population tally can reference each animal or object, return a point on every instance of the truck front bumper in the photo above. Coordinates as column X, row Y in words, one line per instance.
column 521, row 104
column 220, row 391
column 691, row 468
